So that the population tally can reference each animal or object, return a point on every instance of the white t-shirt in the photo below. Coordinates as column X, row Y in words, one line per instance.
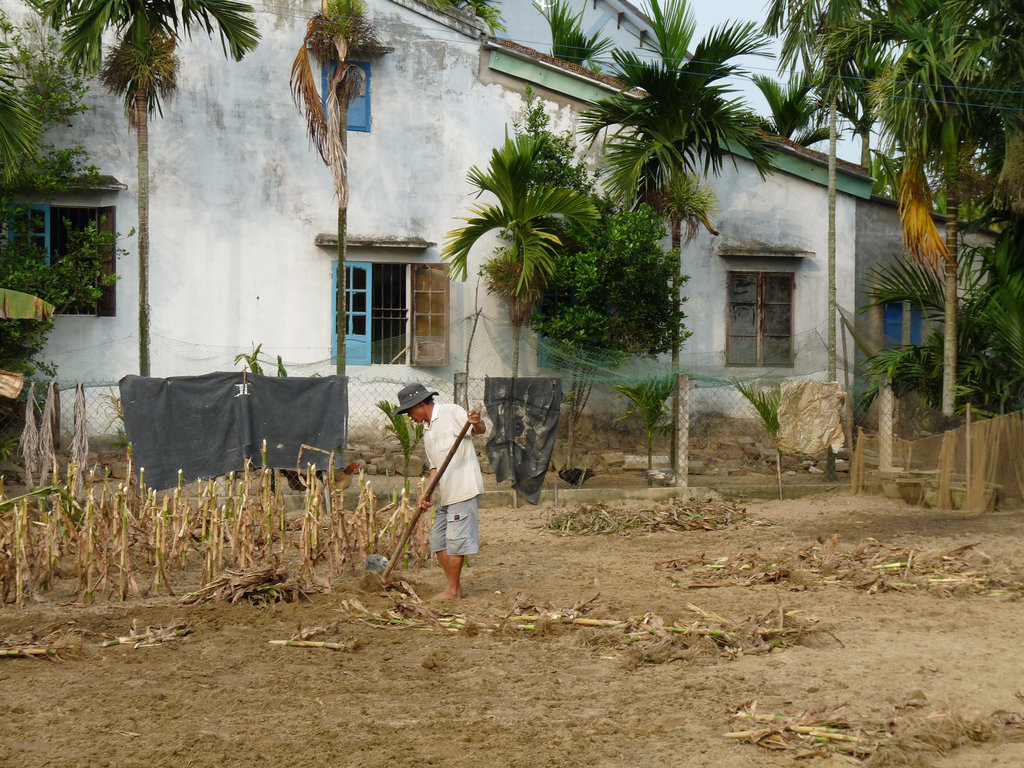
column 462, row 479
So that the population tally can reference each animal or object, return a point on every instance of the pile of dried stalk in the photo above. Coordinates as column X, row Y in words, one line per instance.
column 813, row 733
column 647, row 638
column 258, row 586
column 900, row 740
column 676, row 515
column 150, row 636
column 124, row 539
column 870, row 565
column 63, row 641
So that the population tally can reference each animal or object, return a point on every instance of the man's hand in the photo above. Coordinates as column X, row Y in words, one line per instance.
column 477, row 421
column 425, row 502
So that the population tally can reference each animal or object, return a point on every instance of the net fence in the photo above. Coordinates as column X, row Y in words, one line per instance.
column 931, row 460
column 725, row 435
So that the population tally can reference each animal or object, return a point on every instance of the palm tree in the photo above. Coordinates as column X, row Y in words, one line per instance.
column 926, row 106
column 675, row 116
column 18, row 128
column 990, row 325
column 568, row 40
column 856, row 103
column 766, row 401
column 648, row 397
column 147, row 33
column 795, row 114
column 524, row 214
column 801, row 24
column 143, row 71
column 340, row 30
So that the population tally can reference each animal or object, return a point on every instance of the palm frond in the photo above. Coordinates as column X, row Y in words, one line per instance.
column 766, row 400
column 18, row 128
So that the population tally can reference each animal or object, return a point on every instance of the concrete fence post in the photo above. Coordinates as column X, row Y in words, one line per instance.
column 885, row 421
column 682, row 429
column 462, row 389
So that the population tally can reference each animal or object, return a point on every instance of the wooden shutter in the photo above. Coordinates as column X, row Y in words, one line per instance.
column 106, row 222
column 429, row 314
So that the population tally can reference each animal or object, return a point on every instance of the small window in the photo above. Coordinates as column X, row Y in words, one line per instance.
column 760, row 319
column 396, row 314
column 53, row 231
column 358, row 106
column 894, row 313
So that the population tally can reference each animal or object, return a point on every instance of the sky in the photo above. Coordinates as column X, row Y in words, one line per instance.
column 713, row 13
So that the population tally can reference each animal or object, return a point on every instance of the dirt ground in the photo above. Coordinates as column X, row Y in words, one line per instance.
column 558, row 695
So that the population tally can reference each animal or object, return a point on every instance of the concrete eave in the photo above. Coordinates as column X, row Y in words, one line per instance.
column 762, row 251
column 537, row 68
column 808, row 164
column 375, row 241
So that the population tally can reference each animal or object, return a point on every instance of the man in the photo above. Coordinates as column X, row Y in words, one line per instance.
column 456, row 523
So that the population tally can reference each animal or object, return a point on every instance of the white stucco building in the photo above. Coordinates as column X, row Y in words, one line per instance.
column 243, row 217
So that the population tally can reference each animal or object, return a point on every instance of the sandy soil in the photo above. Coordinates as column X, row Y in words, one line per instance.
column 559, row 695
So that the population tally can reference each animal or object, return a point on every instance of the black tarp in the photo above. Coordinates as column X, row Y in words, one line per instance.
column 212, row 424
column 524, row 412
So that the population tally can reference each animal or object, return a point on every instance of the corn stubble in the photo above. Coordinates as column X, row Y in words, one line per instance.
column 121, row 540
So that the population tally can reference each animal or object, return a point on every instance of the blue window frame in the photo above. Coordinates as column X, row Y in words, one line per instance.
column 359, row 280
column 396, row 313
column 892, row 318
column 32, row 223
column 359, row 106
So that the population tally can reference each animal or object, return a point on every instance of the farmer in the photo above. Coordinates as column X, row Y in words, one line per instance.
column 456, row 522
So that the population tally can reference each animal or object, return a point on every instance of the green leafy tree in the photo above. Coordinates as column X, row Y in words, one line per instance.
column 648, row 398
column 612, row 295
column 142, row 68
column 51, row 90
column 524, row 214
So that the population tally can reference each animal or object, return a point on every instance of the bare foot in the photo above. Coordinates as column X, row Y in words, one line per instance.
column 448, row 594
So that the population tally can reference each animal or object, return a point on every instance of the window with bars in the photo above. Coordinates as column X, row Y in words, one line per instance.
column 396, row 314
column 760, row 319
column 52, row 230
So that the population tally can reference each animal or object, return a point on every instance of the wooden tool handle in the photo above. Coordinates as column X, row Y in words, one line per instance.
column 429, row 490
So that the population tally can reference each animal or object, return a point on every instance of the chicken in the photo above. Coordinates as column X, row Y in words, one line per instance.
column 576, row 477
column 342, row 477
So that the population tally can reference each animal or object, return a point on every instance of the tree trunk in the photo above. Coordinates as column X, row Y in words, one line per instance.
column 830, row 457
column 675, row 226
column 949, row 352
column 142, row 125
column 341, row 295
column 865, row 149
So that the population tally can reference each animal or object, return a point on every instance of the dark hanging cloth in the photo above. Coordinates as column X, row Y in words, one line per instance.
column 524, row 413
column 212, row 424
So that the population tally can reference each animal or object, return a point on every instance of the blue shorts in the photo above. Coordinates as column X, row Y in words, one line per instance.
column 457, row 528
